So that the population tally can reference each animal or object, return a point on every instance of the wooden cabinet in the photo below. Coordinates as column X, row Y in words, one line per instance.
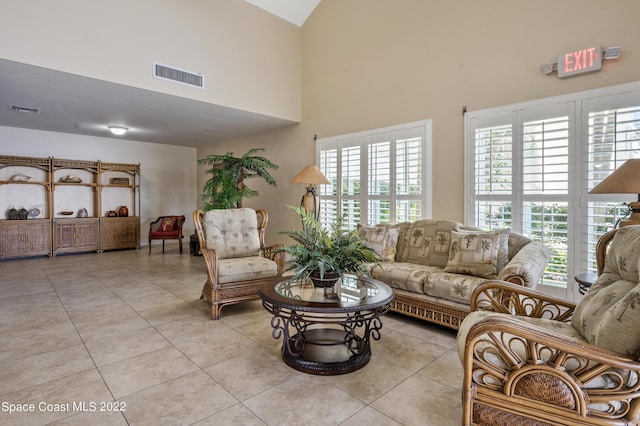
column 25, row 238
column 119, row 186
column 120, row 232
column 68, row 202
column 75, row 235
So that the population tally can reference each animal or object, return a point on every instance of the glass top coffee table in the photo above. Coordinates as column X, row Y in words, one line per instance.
column 326, row 331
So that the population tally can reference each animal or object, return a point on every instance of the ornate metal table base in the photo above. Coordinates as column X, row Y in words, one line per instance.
column 322, row 335
column 309, row 345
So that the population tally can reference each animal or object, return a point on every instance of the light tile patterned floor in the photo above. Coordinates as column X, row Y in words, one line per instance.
column 125, row 328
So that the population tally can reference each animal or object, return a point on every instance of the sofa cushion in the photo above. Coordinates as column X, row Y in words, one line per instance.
column 403, row 275
column 383, row 239
column 427, row 242
column 450, row 286
column 232, row 233
column 481, row 254
column 609, row 314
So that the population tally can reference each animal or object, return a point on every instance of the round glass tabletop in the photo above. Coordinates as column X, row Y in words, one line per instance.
column 350, row 291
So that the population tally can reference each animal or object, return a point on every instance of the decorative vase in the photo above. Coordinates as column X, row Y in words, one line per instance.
column 12, row 213
column 330, row 279
column 123, row 211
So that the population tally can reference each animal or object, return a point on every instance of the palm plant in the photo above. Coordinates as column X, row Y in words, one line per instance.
column 325, row 250
column 226, row 188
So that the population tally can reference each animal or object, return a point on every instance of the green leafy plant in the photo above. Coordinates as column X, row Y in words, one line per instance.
column 226, row 188
column 321, row 249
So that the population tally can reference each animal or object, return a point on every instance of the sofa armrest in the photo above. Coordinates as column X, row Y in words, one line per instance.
column 527, row 266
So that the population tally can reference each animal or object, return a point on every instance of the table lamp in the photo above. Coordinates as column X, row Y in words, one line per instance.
column 624, row 180
column 311, row 176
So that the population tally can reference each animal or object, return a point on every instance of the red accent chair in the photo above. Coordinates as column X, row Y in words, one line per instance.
column 166, row 228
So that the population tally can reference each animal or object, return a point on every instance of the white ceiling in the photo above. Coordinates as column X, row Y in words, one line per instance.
column 294, row 11
column 71, row 103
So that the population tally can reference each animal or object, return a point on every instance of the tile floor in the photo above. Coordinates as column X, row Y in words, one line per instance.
column 125, row 330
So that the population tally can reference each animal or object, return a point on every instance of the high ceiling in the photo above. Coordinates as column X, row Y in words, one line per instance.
column 80, row 105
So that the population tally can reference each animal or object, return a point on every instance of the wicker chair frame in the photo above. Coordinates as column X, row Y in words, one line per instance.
column 219, row 294
column 519, row 373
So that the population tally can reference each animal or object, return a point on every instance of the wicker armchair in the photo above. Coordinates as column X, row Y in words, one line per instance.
column 531, row 359
column 238, row 263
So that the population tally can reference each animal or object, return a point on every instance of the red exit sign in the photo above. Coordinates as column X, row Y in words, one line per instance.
column 580, row 61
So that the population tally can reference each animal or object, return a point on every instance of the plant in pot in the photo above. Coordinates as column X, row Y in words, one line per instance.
column 226, row 188
column 322, row 255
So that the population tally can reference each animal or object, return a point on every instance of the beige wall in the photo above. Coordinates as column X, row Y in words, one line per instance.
column 374, row 63
column 250, row 58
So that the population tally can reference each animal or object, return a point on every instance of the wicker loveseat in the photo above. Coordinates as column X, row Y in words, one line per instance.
column 433, row 266
column 531, row 359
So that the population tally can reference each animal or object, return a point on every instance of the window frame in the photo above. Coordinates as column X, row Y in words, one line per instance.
column 580, row 105
column 366, row 138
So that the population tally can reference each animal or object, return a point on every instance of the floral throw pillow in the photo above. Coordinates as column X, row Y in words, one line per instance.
column 168, row 224
column 476, row 253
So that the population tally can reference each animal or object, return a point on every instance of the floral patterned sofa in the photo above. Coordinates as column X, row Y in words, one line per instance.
column 434, row 265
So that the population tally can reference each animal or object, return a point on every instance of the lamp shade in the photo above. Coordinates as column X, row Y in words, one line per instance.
column 310, row 175
column 624, row 180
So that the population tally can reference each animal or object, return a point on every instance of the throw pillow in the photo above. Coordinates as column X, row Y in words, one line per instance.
column 383, row 239
column 504, row 247
column 168, row 224
column 476, row 253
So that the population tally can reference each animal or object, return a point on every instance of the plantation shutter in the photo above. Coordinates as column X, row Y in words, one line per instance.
column 378, row 176
column 613, row 131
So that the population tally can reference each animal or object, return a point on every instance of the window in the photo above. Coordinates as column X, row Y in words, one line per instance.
column 532, row 166
column 378, row 176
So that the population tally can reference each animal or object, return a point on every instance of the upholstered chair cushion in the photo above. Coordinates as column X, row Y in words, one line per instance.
column 232, row 233
column 383, row 239
column 246, row 268
column 609, row 314
column 481, row 254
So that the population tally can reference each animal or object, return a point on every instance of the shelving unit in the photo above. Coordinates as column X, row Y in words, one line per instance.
column 25, row 182
column 67, row 186
column 120, row 232
column 71, row 233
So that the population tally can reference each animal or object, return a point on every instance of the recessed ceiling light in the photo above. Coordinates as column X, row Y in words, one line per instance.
column 118, row 130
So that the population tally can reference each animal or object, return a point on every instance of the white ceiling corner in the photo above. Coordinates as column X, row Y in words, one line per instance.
column 294, row 11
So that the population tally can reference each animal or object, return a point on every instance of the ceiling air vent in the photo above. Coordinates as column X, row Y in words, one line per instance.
column 28, row 110
column 189, row 78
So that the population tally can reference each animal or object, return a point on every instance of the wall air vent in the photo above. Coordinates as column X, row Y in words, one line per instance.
column 28, row 110
column 176, row 75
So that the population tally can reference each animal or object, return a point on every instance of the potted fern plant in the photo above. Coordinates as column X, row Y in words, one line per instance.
column 322, row 255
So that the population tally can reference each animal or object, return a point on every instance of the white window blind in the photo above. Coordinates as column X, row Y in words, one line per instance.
column 613, row 138
column 532, row 165
column 378, row 176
